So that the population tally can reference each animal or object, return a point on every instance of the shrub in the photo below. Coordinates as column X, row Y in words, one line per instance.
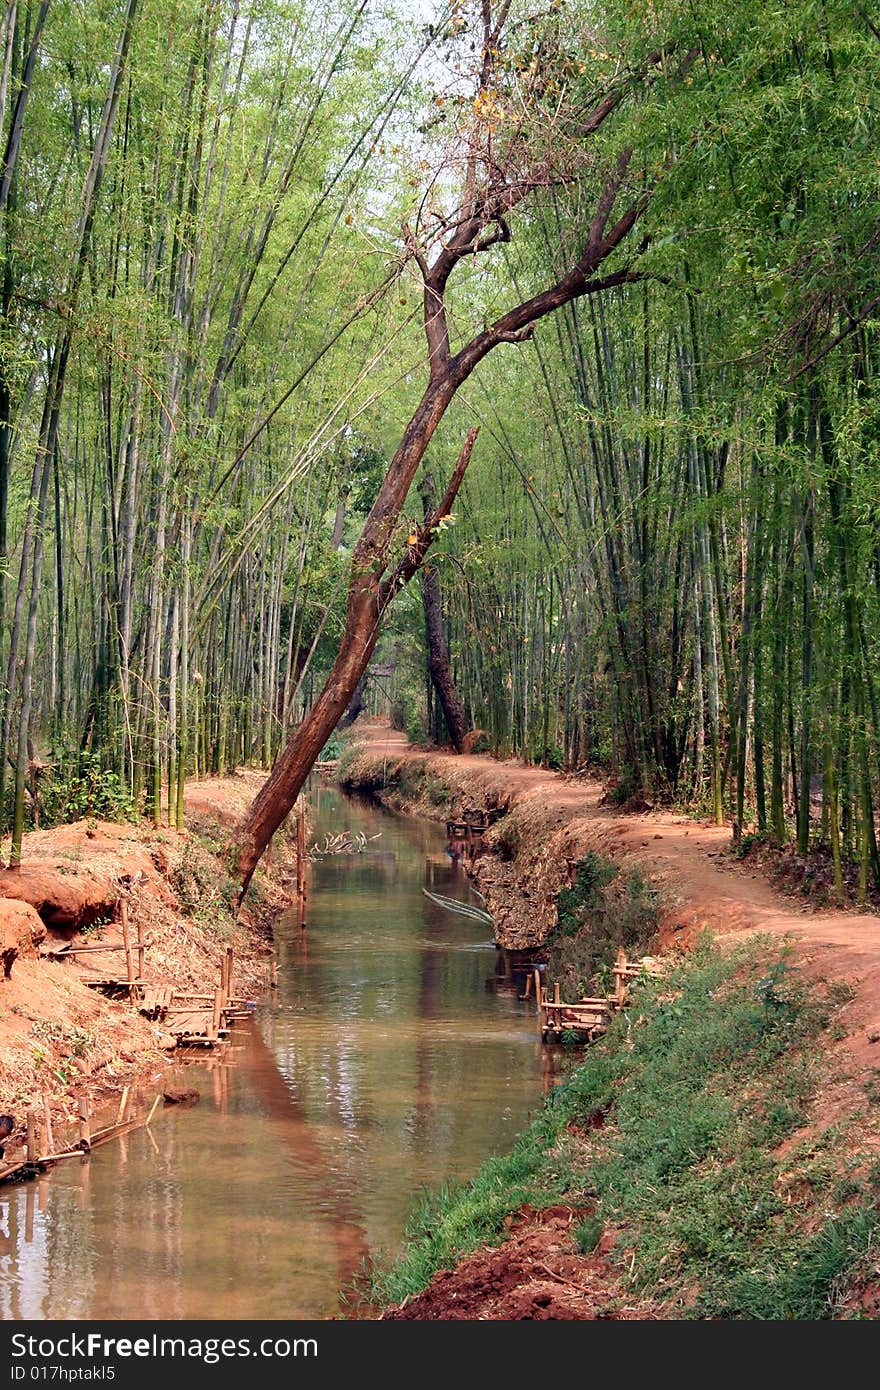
column 600, row 913
column 80, row 786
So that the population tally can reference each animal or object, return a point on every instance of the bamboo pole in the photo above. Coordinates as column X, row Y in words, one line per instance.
column 126, row 941
column 123, row 1102
column 141, row 947
column 31, row 1136
column 301, row 850
column 47, row 1116
column 59, row 1157
column 85, row 1134
column 216, row 1015
column 230, row 958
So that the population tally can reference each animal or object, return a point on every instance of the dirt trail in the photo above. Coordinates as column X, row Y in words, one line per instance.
column 703, row 883
column 536, row 1271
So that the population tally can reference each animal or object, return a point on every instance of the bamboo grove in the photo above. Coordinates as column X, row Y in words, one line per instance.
column 174, row 181
column 665, row 556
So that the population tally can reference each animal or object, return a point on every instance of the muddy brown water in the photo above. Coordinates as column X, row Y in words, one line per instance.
column 391, row 1059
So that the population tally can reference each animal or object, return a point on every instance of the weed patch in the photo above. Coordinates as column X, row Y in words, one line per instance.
column 698, row 1081
column 603, row 910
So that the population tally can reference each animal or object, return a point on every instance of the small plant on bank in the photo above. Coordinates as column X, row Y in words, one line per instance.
column 588, row 1234
column 603, row 911
column 202, row 894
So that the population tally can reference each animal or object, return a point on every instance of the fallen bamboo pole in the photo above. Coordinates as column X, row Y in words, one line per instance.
column 233, row 999
column 115, row 1132
column 153, row 1109
column 84, row 950
column 56, row 1158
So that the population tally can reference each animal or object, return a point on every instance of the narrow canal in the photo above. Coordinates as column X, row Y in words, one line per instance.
column 388, row 1061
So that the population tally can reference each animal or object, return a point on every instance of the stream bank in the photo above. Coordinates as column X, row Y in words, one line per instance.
column 716, row 1154
column 57, row 1035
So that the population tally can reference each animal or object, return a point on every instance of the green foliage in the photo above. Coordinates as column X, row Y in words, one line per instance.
column 587, row 1234
column 586, row 893
column 696, row 1084
column 203, row 893
column 602, row 911
column 80, row 785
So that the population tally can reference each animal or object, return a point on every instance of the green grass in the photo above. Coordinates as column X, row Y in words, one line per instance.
column 670, row 1131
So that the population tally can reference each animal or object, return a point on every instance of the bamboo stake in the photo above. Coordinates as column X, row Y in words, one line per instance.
column 230, row 957
column 141, row 948
column 301, row 850
column 85, row 1134
column 47, row 1116
column 153, row 1109
column 123, row 1102
column 217, row 1014
column 126, row 941
column 31, row 1136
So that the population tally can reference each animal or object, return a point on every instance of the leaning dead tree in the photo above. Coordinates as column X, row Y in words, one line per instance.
column 520, row 140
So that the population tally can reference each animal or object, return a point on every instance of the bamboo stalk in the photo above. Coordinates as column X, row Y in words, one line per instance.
column 31, row 1142
column 47, row 1116
column 126, row 941
column 85, row 1135
column 123, row 1102
column 216, row 1015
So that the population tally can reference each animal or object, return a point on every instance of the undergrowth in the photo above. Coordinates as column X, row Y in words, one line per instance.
column 670, row 1130
column 603, row 910
column 204, row 894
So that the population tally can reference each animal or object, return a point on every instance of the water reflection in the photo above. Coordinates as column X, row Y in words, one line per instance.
column 382, row 1063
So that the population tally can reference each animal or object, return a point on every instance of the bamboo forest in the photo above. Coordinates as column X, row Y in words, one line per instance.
column 493, row 377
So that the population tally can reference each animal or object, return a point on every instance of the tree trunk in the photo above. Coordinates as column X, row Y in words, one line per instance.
column 479, row 225
column 355, row 704
column 369, row 596
column 439, row 668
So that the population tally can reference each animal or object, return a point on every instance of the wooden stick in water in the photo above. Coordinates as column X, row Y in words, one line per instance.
column 153, row 1109
column 123, row 1102
column 31, row 1136
column 217, row 1014
column 85, row 1133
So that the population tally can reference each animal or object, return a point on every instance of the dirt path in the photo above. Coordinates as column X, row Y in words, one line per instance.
column 702, row 882
column 536, row 1271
